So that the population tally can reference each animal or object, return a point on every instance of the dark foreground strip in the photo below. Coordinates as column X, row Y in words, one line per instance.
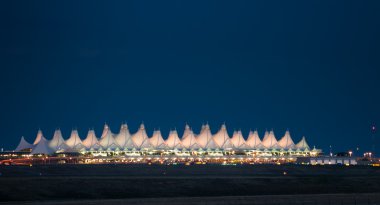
column 317, row 199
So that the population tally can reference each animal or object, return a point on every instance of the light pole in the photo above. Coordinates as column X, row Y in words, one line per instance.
column 373, row 130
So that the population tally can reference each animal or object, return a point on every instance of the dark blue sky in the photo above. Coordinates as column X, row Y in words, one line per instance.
column 310, row 66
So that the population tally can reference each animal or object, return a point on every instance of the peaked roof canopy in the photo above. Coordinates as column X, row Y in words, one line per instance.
column 38, row 137
column 205, row 140
column 106, row 130
column 157, row 141
column 124, row 138
column 238, row 140
column 91, row 141
column 57, row 142
column 42, row 147
column 187, row 131
column 108, row 141
column 74, row 142
column 173, row 141
column 286, row 141
column 270, row 140
column 188, row 139
column 23, row 145
column 302, row 144
column 140, row 138
column 221, row 138
column 254, row 141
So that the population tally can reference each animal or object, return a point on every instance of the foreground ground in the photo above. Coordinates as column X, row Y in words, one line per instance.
column 316, row 199
column 136, row 184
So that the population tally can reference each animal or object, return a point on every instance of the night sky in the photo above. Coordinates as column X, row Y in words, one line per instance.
column 309, row 66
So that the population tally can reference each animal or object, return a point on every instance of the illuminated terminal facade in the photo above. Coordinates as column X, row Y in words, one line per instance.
column 138, row 147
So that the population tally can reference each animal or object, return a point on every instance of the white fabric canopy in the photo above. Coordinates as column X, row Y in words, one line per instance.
column 238, row 141
column 140, row 139
column 302, row 144
column 270, row 140
column 157, row 141
column 108, row 141
column 286, row 141
column 188, row 139
column 205, row 139
column 254, row 141
column 106, row 130
column 124, row 138
column 74, row 142
column 221, row 138
column 57, row 142
column 42, row 147
column 38, row 137
column 91, row 142
column 173, row 141
column 23, row 145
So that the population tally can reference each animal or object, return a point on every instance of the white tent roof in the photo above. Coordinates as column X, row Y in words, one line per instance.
column 140, row 138
column 91, row 141
column 74, row 142
column 124, row 139
column 238, row 141
column 270, row 140
column 106, row 129
column 42, row 147
column 108, row 141
column 38, row 137
column 187, row 131
column 157, row 141
column 57, row 142
column 204, row 139
column 253, row 140
column 173, row 140
column 23, row 145
column 302, row 144
column 286, row 141
column 188, row 139
column 266, row 135
column 221, row 138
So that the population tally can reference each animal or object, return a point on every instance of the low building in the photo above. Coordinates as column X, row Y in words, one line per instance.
column 327, row 160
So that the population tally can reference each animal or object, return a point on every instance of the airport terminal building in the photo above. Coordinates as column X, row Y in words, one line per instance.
column 205, row 145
